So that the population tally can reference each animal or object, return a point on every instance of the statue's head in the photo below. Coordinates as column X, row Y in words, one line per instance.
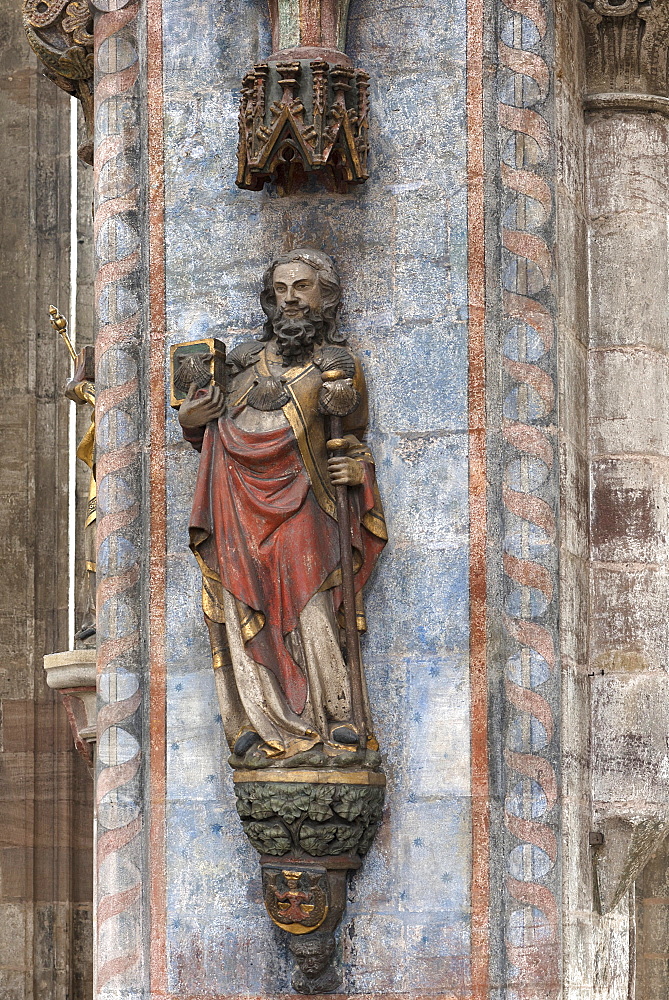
column 300, row 296
column 313, row 952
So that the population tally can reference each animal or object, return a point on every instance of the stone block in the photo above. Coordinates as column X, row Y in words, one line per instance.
column 15, row 872
column 373, row 947
column 627, row 155
column 610, row 946
column 629, row 402
column 630, row 775
column 573, row 385
column 572, row 250
column 15, row 920
column 574, row 500
column 628, row 613
column 623, row 309
column 656, row 927
column 15, row 985
column 577, row 945
column 653, row 976
column 630, row 511
column 574, row 611
column 629, row 754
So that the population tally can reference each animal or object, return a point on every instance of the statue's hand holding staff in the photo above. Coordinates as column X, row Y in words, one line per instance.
column 197, row 412
column 344, row 471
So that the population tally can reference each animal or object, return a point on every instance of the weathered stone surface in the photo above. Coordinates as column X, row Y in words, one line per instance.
column 44, row 790
column 409, row 910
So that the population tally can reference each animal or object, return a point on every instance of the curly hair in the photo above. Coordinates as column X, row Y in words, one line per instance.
column 330, row 285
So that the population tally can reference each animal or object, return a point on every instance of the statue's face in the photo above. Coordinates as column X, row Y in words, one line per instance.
column 297, row 289
column 314, row 959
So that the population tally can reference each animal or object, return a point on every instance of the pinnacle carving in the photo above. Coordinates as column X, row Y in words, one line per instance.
column 304, row 112
column 300, row 117
column 626, row 46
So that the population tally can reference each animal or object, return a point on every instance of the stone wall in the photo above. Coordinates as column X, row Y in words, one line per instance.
column 400, row 245
column 45, row 790
column 612, row 236
column 565, row 889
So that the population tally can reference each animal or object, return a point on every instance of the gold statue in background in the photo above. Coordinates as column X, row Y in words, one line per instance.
column 81, row 388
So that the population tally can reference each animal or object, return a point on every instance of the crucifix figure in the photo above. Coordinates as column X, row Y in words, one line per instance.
column 273, row 485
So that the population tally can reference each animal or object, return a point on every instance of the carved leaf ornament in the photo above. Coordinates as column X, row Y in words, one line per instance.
column 59, row 33
column 626, row 46
column 316, row 819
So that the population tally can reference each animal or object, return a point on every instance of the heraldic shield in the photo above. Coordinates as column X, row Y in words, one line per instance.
column 297, row 899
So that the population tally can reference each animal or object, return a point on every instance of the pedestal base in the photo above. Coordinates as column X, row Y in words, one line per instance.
column 310, row 827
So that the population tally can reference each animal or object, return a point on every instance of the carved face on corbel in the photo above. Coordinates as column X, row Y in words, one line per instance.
column 313, row 952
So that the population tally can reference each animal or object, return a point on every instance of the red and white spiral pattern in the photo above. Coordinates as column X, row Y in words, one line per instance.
column 529, row 497
column 118, row 311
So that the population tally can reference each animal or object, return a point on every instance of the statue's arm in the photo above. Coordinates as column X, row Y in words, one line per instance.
column 80, row 391
column 348, row 469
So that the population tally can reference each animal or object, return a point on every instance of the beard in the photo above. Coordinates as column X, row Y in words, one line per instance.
column 296, row 336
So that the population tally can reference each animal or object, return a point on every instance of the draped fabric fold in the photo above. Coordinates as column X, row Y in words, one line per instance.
column 258, row 529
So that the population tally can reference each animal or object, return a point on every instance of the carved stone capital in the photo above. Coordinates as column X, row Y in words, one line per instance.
column 626, row 46
column 60, row 34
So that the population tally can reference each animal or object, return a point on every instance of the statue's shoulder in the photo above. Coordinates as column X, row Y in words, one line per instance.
column 244, row 355
column 333, row 357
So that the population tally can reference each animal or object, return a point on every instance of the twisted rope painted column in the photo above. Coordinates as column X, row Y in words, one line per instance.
column 529, row 498
column 119, row 323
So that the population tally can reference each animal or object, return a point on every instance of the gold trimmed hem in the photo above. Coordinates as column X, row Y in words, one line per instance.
column 313, row 777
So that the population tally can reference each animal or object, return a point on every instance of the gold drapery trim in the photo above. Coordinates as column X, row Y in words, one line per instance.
column 250, row 621
column 86, row 448
column 92, row 506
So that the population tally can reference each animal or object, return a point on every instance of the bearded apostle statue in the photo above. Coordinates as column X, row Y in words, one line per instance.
column 281, row 442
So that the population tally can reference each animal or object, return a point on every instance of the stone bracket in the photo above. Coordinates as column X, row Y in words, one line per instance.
column 629, row 735
column 73, row 673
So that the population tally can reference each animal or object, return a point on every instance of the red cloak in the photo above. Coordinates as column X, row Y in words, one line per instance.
column 260, row 530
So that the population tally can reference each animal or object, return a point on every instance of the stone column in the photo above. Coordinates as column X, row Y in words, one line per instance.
column 652, row 938
column 120, row 876
column 627, row 192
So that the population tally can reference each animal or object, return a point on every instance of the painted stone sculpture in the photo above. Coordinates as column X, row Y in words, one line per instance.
column 287, row 526
column 305, row 111
column 80, row 388
column 60, row 33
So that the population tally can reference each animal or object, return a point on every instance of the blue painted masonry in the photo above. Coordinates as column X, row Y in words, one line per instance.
column 400, row 244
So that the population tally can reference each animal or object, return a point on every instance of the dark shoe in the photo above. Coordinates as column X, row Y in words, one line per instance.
column 345, row 735
column 244, row 743
column 85, row 632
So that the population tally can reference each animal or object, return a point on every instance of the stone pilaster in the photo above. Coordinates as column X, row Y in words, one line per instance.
column 119, row 309
column 627, row 188
column 45, row 793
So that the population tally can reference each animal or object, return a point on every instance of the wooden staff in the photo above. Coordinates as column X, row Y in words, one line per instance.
column 348, row 591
